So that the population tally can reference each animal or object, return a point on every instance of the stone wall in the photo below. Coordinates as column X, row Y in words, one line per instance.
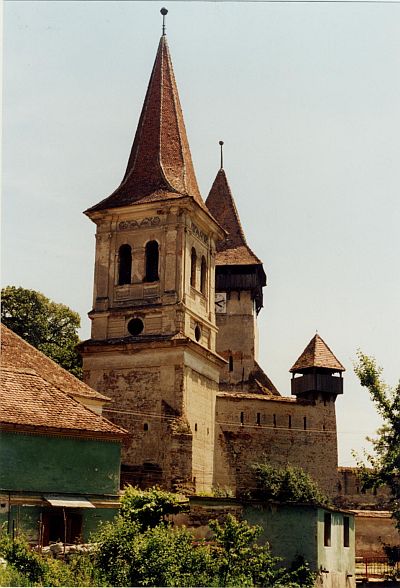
column 253, row 428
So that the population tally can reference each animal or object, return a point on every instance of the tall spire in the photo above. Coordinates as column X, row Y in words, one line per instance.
column 233, row 250
column 160, row 164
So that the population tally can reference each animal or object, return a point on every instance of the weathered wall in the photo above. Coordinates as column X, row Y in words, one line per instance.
column 280, row 438
column 58, row 464
column 349, row 493
column 237, row 337
column 373, row 528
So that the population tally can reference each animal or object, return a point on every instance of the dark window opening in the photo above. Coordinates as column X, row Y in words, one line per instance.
column 135, row 326
column 152, row 255
column 274, row 420
column 193, row 264
column 195, row 426
column 197, row 333
column 258, row 418
column 124, row 265
column 145, row 427
column 230, row 363
column 203, row 275
column 290, row 422
column 61, row 525
column 327, row 529
column 346, row 532
column 305, row 423
column 242, row 418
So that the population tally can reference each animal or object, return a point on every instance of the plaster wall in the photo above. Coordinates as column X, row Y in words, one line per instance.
column 280, row 438
column 58, row 464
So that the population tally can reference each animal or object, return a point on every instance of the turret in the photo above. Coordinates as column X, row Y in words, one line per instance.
column 317, row 373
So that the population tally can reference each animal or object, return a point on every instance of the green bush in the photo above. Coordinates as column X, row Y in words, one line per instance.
column 286, row 484
column 150, row 507
column 22, row 558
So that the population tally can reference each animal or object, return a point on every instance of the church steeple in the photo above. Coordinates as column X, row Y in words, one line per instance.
column 160, row 164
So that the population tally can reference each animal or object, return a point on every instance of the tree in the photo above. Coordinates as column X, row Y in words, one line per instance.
column 49, row 326
column 385, row 462
column 149, row 508
column 286, row 484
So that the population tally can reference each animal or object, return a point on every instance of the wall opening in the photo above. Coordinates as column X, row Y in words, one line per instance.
column 193, row 264
column 195, row 427
column 242, row 418
column 346, row 531
column 327, row 529
column 197, row 333
column 274, row 419
column 305, row 423
column 145, row 427
column 290, row 422
column 152, row 256
column 258, row 418
column 203, row 275
column 230, row 363
column 124, row 265
column 135, row 326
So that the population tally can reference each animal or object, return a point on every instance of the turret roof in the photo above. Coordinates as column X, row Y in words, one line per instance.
column 160, row 164
column 233, row 250
column 317, row 355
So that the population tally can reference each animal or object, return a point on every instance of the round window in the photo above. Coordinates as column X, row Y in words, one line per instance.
column 197, row 333
column 135, row 326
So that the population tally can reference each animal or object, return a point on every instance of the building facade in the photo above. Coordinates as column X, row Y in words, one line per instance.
column 177, row 291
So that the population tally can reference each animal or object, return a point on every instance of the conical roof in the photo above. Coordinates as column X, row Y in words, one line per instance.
column 160, row 164
column 317, row 355
column 233, row 250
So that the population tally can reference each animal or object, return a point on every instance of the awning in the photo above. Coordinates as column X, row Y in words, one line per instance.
column 68, row 501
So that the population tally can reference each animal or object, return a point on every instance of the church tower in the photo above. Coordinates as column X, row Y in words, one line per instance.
column 239, row 282
column 153, row 341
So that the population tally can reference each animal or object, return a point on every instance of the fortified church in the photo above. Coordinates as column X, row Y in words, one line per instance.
column 177, row 292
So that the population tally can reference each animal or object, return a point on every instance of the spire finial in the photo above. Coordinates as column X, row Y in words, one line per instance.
column 164, row 13
column 221, row 143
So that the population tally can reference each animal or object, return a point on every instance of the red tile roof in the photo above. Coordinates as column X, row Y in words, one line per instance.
column 160, row 164
column 17, row 353
column 29, row 401
column 233, row 250
column 317, row 354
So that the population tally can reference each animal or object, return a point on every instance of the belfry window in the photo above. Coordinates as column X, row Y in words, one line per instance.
column 203, row 275
column 124, row 265
column 193, row 264
column 152, row 255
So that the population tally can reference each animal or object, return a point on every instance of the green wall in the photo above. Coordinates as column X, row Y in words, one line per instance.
column 37, row 463
column 336, row 557
column 290, row 531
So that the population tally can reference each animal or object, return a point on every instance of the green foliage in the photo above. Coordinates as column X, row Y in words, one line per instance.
column 286, row 484
column 49, row 326
column 150, row 507
column 385, row 462
column 22, row 558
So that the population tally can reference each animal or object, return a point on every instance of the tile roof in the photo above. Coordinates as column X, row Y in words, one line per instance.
column 233, row 250
column 160, row 164
column 317, row 354
column 30, row 402
column 17, row 353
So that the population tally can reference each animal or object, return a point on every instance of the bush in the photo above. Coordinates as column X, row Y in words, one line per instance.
column 287, row 484
column 148, row 508
column 22, row 558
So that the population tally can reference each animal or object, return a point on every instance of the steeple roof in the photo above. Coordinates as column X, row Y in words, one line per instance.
column 160, row 164
column 233, row 250
column 317, row 355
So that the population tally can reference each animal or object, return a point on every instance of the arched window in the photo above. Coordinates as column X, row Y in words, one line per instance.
column 203, row 275
column 124, row 264
column 193, row 263
column 151, row 261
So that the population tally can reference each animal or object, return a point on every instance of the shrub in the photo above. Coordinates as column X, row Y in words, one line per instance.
column 150, row 507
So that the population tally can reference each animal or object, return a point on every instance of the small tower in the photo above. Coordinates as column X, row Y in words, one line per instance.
column 317, row 374
column 239, row 282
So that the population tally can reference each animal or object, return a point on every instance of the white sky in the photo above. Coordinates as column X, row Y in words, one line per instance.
column 307, row 100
